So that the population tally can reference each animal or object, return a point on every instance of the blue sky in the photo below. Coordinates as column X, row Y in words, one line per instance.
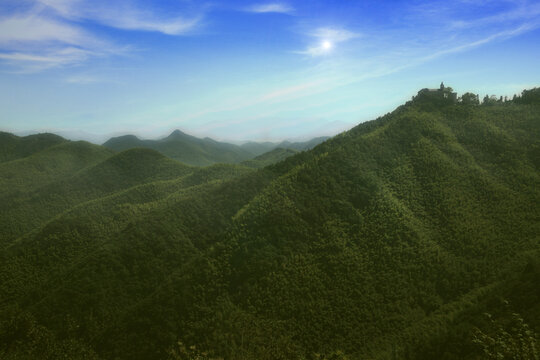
column 249, row 70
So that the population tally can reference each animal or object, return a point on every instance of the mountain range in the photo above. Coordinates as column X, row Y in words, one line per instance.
column 412, row 236
column 202, row 152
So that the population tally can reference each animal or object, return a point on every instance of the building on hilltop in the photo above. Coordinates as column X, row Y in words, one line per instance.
column 444, row 93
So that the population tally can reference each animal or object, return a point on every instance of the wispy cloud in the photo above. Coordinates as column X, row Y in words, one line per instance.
column 86, row 79
column 123, row 15
column 273, row 96
column 286, row 93
column 32, row 42
column 447, row 27
column 45, row 34
column 466, row 14
column 28, row 63
column 34, row 28
column 270, row 8
column 334, row 34
column 502, row 35
column 522, row 11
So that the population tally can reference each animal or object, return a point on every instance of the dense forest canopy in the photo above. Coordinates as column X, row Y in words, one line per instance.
column 412, row 236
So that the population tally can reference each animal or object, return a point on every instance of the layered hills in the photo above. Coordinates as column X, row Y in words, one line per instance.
column 390, row 241
column 202, row 152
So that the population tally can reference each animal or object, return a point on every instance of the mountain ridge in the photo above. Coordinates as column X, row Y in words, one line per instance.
column 204, row 151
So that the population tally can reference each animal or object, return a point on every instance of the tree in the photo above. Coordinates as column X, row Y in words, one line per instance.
column 511, row 340
column 470, row 99
column 531, row 96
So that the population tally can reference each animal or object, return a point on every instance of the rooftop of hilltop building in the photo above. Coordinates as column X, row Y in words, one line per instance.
column 445, row 93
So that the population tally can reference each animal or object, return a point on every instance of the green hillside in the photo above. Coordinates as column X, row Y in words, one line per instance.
column 413, row 236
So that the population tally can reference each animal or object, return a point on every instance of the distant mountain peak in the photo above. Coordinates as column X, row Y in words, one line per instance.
column 177, row 133
column 125, row 137
column 125, row 141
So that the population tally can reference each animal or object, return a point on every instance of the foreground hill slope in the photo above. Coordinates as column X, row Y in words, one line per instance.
column 387, row 241
column 379, row 227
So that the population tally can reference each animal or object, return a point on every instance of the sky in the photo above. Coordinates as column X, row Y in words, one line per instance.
column 249, row 70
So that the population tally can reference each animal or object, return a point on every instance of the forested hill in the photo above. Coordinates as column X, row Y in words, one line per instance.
column 413, row 236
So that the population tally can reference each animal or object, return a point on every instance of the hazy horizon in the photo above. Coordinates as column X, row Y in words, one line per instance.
column 100, row 139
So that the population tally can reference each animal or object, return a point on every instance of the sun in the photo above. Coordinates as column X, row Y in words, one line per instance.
column 326, row 45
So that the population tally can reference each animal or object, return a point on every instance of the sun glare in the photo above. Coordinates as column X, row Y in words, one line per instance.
column 326, row 45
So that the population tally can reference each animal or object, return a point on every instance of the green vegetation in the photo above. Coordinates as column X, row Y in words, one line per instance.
column 413, row 236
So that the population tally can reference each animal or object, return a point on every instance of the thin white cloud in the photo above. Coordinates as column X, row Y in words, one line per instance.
column 29, row 63
column 32, row 42
column 280, row 95
column 285, row 94
column 135, row 21
column 45, row 34
column 65, row 8
column 335, row 35
column 502, row 35
column 523, row 12
column 123, row 15
column 270, row 8
column 34, row 28
column 464, row 14
column 85, row 79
